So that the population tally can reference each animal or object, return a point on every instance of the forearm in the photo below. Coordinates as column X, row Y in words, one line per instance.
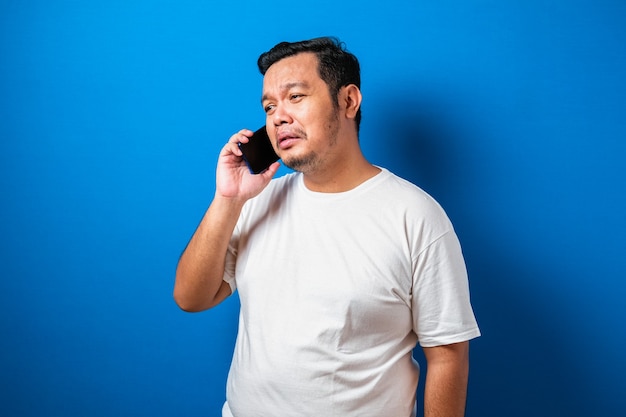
column 445, row 391
column 200, row 271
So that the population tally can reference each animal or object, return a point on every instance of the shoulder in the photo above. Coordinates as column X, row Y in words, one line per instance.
column 409, row 194
column 419, row 212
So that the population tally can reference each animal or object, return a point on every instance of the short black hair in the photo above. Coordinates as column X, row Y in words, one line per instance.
column 336, row 66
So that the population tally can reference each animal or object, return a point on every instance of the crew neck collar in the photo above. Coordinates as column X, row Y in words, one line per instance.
column 362, row 187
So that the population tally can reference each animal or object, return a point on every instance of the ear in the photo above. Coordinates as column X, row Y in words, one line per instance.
column 350, row 99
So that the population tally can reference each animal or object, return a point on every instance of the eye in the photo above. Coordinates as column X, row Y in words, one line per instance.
column 295, row 97
column 268, row 108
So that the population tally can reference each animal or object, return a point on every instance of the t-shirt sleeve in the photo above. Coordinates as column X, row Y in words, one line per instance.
column 442, row 313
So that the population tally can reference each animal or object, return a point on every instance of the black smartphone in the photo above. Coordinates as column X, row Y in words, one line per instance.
column 258, row 152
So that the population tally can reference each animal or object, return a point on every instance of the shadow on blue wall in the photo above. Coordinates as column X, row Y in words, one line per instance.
column 522, row 364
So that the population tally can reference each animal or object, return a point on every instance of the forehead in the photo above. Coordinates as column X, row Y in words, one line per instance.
column 296, row 69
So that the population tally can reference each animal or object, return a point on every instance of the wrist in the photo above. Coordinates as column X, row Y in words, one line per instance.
column 228, row 204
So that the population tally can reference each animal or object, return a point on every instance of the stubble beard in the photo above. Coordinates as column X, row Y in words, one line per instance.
column 313, row 161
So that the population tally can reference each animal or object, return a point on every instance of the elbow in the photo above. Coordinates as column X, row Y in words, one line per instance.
column 185, row 300
column 194, row 295
column 190, row 300
column 185, row 306
column 184, row 295
column 186, row 303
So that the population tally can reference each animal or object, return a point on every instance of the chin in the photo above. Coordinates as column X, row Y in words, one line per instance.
column 304, row 163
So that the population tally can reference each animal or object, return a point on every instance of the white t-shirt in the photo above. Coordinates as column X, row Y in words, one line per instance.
column 336, row 289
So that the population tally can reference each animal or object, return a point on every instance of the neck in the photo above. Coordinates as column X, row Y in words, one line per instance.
column 340, row 176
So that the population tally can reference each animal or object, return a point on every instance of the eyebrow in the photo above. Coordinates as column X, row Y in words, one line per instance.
column 287, row 87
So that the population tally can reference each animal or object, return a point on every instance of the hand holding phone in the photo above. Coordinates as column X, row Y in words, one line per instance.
column 258, row 152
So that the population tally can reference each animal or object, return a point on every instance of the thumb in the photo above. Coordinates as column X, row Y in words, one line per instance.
column 270, row 171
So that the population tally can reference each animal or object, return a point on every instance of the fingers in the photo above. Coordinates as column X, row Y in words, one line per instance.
column 232, row 146
column 242, row 136
column 233, row 177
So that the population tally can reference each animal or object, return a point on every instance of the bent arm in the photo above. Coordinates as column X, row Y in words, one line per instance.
column 447, row 372
column 199, row 275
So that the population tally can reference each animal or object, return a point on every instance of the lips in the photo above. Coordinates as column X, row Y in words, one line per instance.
column 286, row 139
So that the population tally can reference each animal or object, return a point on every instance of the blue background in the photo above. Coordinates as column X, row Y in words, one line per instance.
column 512, row 114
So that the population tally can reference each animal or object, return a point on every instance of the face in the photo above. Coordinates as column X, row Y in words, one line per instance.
column 301, row 116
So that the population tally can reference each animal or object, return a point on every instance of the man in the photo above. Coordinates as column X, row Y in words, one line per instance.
column 342, row 267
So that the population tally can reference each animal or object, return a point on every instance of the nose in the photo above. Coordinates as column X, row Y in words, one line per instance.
column 281, row 116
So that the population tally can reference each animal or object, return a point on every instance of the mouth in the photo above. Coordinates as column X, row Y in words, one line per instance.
column 287, row 139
